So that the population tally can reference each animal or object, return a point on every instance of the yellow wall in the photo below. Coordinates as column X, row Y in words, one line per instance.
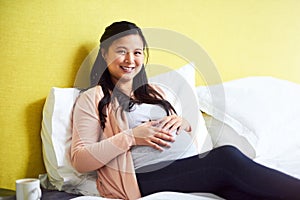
column 44, row 42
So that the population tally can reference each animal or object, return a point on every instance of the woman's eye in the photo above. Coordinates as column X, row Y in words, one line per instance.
column 138, row 53
column 121, row 52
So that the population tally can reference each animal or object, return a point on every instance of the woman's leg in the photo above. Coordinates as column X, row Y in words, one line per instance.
column 224, row 171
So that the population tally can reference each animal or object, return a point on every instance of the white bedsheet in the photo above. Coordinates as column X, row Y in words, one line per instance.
column 163, row 196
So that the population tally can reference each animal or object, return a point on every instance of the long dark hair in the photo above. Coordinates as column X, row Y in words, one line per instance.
column 143, row 92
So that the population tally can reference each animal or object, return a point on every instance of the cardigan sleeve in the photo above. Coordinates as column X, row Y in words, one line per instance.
column 91, row 149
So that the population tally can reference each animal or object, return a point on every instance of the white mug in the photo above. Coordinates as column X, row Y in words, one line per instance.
column 28, row 189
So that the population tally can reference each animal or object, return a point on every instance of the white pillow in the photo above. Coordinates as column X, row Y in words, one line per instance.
column 56, row 137
column 222, row 134
column 264, row 110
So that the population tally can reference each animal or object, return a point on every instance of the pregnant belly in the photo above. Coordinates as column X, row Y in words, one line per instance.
column 182, row 147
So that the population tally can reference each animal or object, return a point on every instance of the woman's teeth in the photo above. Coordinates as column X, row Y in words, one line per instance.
column 128, row 69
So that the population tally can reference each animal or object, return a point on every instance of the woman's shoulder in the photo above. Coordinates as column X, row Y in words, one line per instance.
column 93, row 93
column 91, row 90
column 157, row 88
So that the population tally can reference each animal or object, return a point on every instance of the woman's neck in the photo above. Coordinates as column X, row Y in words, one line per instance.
column 126, row 88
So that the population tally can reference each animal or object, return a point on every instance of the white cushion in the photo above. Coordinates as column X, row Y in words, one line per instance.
column 56, row 137
column 264, row 110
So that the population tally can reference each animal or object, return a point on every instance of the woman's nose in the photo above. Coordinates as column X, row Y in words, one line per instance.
column 129, row 58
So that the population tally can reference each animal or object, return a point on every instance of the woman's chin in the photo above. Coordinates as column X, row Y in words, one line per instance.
column 128, row 77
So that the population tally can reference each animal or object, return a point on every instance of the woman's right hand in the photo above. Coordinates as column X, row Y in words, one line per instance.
column 149, row 134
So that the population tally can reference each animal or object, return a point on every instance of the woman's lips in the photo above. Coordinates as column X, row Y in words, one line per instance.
column 127, row 69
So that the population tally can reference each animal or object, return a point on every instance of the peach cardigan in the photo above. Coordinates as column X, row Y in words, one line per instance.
column 107, row 152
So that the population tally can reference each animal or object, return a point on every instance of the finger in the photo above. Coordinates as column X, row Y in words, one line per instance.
column 165, row 137
column 154, row 123
column 171, row 125
column 156, row 144
column 157, row 147
column 160, row 142
column 179, row 130
column 175, row 126
column 164, row 121
column 160, row 130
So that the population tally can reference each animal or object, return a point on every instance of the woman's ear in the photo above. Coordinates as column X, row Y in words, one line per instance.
column 103, row 53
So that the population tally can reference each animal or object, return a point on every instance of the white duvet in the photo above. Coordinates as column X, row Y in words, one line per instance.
column 264, row 111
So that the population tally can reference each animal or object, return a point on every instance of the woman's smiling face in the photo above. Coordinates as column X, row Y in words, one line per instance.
column 124, row 58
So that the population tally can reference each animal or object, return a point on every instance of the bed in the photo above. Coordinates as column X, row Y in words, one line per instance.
column 258, row 115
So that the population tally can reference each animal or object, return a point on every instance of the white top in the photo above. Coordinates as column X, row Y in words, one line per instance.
column 144, row 155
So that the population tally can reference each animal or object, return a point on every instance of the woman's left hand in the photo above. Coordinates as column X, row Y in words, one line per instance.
column 174, row 122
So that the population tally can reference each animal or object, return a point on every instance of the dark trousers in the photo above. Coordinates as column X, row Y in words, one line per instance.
column 223, row 171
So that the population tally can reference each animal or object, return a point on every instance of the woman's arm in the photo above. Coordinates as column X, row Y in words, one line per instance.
column 90, row 149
